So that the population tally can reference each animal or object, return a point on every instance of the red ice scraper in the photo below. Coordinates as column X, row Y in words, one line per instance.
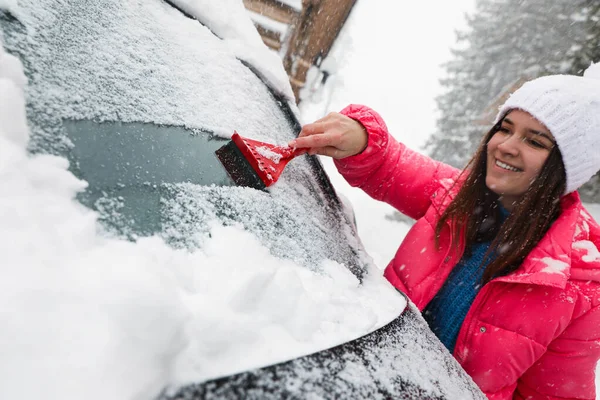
column 255, row 164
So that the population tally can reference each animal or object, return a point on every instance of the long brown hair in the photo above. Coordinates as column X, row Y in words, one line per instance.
column 475, row 213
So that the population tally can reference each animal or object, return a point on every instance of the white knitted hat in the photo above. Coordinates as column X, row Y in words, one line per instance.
column 569, row 106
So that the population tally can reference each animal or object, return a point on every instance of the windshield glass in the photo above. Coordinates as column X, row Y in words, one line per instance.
column 139, row 108
column 129, row 165
column 137, row 97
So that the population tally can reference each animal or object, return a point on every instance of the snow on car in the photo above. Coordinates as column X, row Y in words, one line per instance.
column 132, row 266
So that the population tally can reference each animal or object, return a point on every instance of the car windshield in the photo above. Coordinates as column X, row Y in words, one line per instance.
column 138, row 96
column 140, row 165
column 140, row 121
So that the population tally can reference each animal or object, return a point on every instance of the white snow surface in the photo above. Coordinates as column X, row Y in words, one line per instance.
column 229, row 20
column 269, row 23
column 90, row 316
column 593, row 71
column 10, row 5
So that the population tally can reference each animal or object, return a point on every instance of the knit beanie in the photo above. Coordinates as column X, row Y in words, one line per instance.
column 569, row 106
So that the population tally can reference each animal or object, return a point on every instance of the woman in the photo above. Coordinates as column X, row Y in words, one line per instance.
column 503, row 259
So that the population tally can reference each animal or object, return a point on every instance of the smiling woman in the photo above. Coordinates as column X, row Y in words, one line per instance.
column 503, row 257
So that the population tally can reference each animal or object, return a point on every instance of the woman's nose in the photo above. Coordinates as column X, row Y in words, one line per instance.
column 511, row 144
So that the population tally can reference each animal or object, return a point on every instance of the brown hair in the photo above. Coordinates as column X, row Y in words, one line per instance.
column 474, row 212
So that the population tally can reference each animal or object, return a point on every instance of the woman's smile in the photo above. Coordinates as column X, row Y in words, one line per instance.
column 507, row 167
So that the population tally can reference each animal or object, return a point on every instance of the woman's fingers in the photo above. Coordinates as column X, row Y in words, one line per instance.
column 313, row 129
column 334, row 135
column 321, row 125
column 315, row 140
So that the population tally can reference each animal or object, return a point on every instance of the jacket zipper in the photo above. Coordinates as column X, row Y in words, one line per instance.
column 467, row 329
column 476, row 306
column 477, row 302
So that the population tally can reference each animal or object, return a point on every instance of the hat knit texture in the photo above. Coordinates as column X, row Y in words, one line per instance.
column 569, row 106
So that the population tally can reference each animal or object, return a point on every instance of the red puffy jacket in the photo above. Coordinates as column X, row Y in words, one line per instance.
column 532, row 334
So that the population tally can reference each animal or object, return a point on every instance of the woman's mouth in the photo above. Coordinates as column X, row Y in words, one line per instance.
column 507, row 166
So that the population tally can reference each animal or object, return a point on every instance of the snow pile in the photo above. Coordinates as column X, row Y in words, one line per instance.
column 229, row 20
column 270, row 24
column 76, row 308
column 593, row 71
column 12, row 105
column 87, row 316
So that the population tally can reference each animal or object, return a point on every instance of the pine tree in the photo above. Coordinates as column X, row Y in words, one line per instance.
column 590, row 51
column 508, row 42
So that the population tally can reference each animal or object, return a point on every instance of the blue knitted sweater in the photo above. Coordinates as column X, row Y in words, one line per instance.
column 448, row 309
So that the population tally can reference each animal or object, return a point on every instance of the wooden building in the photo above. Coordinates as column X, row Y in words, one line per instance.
column 301, row 31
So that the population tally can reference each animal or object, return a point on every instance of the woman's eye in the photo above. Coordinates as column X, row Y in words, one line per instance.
column 536, row 144
column 504, row 130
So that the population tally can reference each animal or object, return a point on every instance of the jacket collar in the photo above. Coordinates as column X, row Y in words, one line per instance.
column 550, row 262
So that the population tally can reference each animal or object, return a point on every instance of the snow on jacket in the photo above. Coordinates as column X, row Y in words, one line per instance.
column 534, row 333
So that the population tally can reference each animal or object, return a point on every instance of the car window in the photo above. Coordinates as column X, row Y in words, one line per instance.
column 138, row 99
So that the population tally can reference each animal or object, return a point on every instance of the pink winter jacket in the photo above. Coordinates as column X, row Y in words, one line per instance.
column 533, row 334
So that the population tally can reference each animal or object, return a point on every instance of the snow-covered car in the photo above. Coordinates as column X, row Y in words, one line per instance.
column 134, row 268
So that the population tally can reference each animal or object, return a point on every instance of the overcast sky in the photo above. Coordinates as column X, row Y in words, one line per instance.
column 394, row 63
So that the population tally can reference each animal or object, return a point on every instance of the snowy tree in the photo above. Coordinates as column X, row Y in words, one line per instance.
column 506, row 43
column 590, row 51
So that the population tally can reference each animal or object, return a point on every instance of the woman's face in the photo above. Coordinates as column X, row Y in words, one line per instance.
column 516, row 155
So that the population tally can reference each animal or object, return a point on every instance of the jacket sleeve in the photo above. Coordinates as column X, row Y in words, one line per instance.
column 388, row 170
column 567, row 369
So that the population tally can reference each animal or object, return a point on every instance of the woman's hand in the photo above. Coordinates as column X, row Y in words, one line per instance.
column 334, row 135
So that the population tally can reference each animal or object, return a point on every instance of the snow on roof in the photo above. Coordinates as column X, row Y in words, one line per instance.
column 229, row 20
column 295, row 4
column 269, row 23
